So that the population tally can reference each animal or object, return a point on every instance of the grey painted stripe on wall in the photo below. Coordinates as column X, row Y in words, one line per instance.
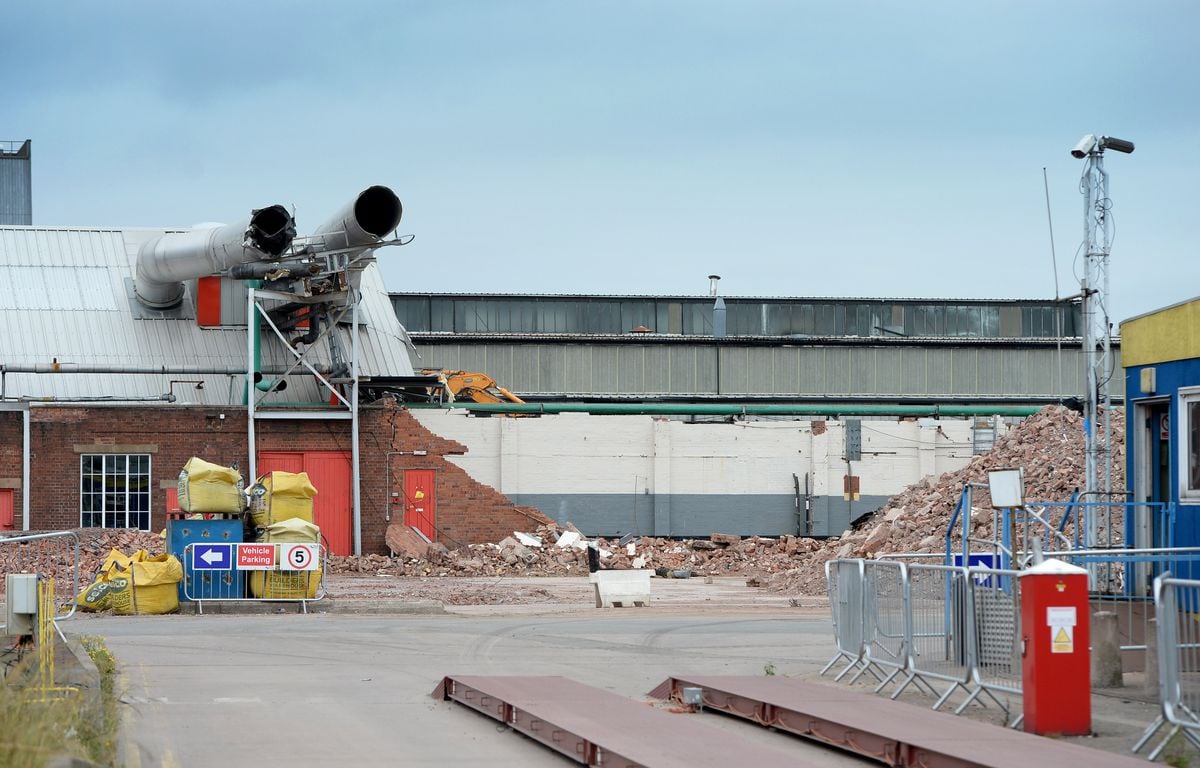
column 695, row 514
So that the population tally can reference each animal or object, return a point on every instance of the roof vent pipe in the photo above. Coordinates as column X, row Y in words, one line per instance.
column 362, row 222
column 712, row 284
column 165, row 262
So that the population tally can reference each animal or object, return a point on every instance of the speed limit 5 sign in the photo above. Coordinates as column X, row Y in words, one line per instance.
column 299, row 557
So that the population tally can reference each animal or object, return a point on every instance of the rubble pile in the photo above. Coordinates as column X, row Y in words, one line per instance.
column 53, row 557
column 1048, row 446
column 554, row 551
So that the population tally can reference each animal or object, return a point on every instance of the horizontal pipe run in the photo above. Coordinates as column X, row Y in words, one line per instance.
column 750, row 409
column 134, row 370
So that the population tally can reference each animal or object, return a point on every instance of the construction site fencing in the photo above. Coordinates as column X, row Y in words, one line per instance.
column 203, row 585
column 929, row 626
column 1057, row 527
column 46, row 554
column 1121, row 581
column 844, row 580
column 1177, row 603
column 886, row 636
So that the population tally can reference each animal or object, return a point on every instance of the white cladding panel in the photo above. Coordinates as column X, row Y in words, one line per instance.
column 581, row 453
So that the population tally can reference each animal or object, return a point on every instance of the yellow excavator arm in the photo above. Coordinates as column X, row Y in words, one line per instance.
column 473, row 386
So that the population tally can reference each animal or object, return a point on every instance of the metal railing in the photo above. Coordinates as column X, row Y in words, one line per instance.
column 1178, row 636
column 47, row 554
column 928, row 626
column 259, row 586
column 844, row 579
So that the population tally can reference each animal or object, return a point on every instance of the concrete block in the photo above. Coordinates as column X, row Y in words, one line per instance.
column 1150, row 681
column 621, row 588
column 1106, row 651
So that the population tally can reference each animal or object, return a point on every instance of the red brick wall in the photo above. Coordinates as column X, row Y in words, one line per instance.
column 467, row 512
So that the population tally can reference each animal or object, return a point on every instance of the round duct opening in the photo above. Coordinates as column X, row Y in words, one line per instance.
column 272, row 229
column 377, row 210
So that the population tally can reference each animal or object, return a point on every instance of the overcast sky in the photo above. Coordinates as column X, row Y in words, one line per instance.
column 832, row 148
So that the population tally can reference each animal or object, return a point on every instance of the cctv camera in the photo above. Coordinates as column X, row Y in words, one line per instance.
column 1119, row 145
column 1085, row 146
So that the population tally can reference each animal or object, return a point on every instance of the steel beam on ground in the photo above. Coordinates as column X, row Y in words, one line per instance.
column 892, row 732
column 595, row 727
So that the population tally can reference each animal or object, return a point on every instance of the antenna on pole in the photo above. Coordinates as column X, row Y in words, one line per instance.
column 1097, row 331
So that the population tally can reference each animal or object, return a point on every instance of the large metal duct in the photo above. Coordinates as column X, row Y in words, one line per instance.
column 165, row 262
column 361, row 222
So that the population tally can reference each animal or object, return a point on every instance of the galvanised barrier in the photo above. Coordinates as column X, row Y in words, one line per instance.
column 1177, row 603
column 46, row 554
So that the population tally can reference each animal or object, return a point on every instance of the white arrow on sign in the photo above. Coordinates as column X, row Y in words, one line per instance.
column 212, row 556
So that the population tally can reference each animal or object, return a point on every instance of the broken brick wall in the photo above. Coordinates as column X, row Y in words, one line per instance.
column 389, row 441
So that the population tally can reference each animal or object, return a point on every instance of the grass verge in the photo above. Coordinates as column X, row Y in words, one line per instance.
column 37, row 726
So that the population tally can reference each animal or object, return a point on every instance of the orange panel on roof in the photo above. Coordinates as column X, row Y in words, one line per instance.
column 208, row 301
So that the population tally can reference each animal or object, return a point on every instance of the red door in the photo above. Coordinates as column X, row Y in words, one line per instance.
column 420, row 503
column 329, row 472
column 7, row 522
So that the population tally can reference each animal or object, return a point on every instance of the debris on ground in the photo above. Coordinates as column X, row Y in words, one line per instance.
column 54, row 557
column 1048, row 446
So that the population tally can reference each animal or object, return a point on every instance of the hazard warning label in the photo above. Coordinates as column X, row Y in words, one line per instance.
column 1061, row 622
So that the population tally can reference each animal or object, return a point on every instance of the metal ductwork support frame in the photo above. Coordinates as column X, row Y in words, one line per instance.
column 358, row 226
column 165, row 262
column 344, row 244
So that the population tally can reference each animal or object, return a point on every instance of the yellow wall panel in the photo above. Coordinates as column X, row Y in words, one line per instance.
column 1168, row 334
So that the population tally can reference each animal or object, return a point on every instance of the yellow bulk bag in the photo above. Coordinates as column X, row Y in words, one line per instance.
column 207, row 487
column 287, row 585
column 281, row 496
column 293, row 531
column 137, row 584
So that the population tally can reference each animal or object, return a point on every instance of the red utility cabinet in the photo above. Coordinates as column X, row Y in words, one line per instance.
column 1056, row 663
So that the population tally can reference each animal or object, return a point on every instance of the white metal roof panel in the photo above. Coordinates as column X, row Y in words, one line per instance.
column 65, row 297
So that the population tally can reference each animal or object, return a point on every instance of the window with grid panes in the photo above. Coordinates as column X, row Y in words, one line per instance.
column 114, row 490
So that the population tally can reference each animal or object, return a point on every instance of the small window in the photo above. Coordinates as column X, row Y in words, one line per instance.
column 1189, row 444
column 114, row 491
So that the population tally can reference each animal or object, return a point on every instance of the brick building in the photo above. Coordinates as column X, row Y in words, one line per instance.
column 104, row 397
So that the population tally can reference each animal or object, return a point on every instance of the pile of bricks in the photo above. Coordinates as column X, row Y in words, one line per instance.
column 54, row 557
column 554, row 551
column 1048, row 446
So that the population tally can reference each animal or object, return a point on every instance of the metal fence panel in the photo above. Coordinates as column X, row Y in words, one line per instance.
column 885, row 618
column 996, row 603
column 228, row 585
column 1177, row 604
column 937, row 607
column 46, row 554
column 844, row 579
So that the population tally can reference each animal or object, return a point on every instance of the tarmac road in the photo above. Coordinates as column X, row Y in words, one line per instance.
column 294, row 690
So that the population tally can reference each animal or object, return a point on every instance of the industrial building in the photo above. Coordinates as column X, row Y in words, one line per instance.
column 1162, row 377
column 127, row 351
column 672, row 348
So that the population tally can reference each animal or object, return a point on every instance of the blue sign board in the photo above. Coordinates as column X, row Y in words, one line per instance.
column 212, row 557
column 984, row 560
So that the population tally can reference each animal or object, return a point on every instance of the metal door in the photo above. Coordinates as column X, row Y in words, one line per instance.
column 420, row 501
column 7, row 522
column 329, row 472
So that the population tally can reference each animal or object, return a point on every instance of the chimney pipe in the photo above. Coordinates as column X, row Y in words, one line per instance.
column 165, row 262
column 361, row 222
column 712, row 284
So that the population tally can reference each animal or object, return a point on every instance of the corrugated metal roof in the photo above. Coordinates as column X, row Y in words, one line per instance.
column 726, row 296
column 65, row 296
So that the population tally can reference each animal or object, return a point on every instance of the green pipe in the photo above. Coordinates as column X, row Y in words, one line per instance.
column 253, row 327
column 749, row 409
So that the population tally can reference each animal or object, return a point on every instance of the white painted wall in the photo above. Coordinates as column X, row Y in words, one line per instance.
column 581, row 453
